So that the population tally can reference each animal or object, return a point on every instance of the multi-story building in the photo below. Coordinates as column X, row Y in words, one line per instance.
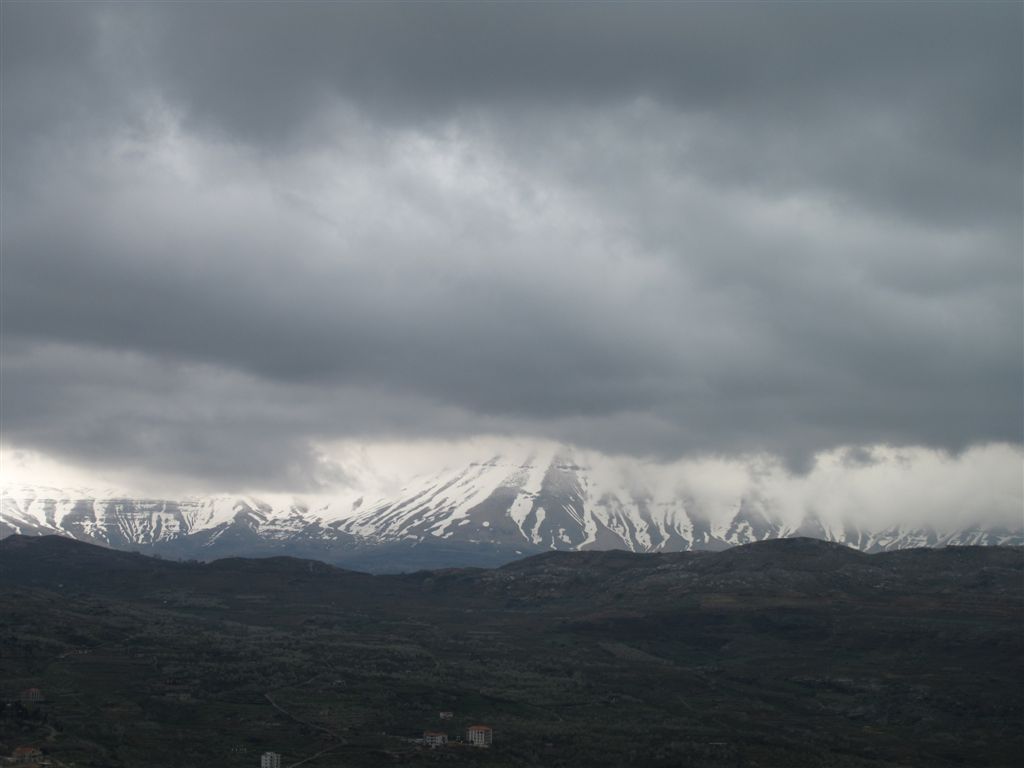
column 480, row 735
column 270, row 760
column 435, row 739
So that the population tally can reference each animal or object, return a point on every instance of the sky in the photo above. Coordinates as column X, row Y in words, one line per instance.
column 237, row 236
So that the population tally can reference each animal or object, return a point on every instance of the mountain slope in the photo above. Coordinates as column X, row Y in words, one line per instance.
column 484, row 513
column 790, row 652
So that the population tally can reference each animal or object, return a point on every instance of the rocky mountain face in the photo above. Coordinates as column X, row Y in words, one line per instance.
column 485, row 513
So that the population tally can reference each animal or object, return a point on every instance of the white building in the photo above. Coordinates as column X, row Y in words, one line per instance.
column 480, row 735
column 434, row 739
column 270, row 760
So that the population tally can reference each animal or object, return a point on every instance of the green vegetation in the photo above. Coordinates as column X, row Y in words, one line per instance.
column 777, row 654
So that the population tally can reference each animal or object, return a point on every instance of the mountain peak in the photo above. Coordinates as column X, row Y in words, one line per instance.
column 480, row 513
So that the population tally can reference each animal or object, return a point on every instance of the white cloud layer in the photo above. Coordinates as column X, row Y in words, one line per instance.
column 872, row 487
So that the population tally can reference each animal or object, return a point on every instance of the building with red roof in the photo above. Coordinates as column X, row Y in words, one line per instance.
column 480, row 735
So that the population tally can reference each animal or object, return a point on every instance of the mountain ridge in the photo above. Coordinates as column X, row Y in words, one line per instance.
column 482, row 513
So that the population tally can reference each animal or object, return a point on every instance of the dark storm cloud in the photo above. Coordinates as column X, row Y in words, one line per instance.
column 905, row 95
column 887, row 103
column 233, row 230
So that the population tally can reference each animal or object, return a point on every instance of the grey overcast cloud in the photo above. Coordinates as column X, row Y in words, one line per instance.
column 236, row 233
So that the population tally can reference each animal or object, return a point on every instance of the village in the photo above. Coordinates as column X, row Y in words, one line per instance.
column 475, row 736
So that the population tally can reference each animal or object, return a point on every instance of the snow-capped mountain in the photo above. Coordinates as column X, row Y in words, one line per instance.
column 485, row 512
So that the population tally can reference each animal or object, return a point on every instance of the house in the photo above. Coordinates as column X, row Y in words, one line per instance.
column 446, row 715
column 270, row 760
column 32, row 694
column 435, row 739
column 26, row 755
column 480, row 735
